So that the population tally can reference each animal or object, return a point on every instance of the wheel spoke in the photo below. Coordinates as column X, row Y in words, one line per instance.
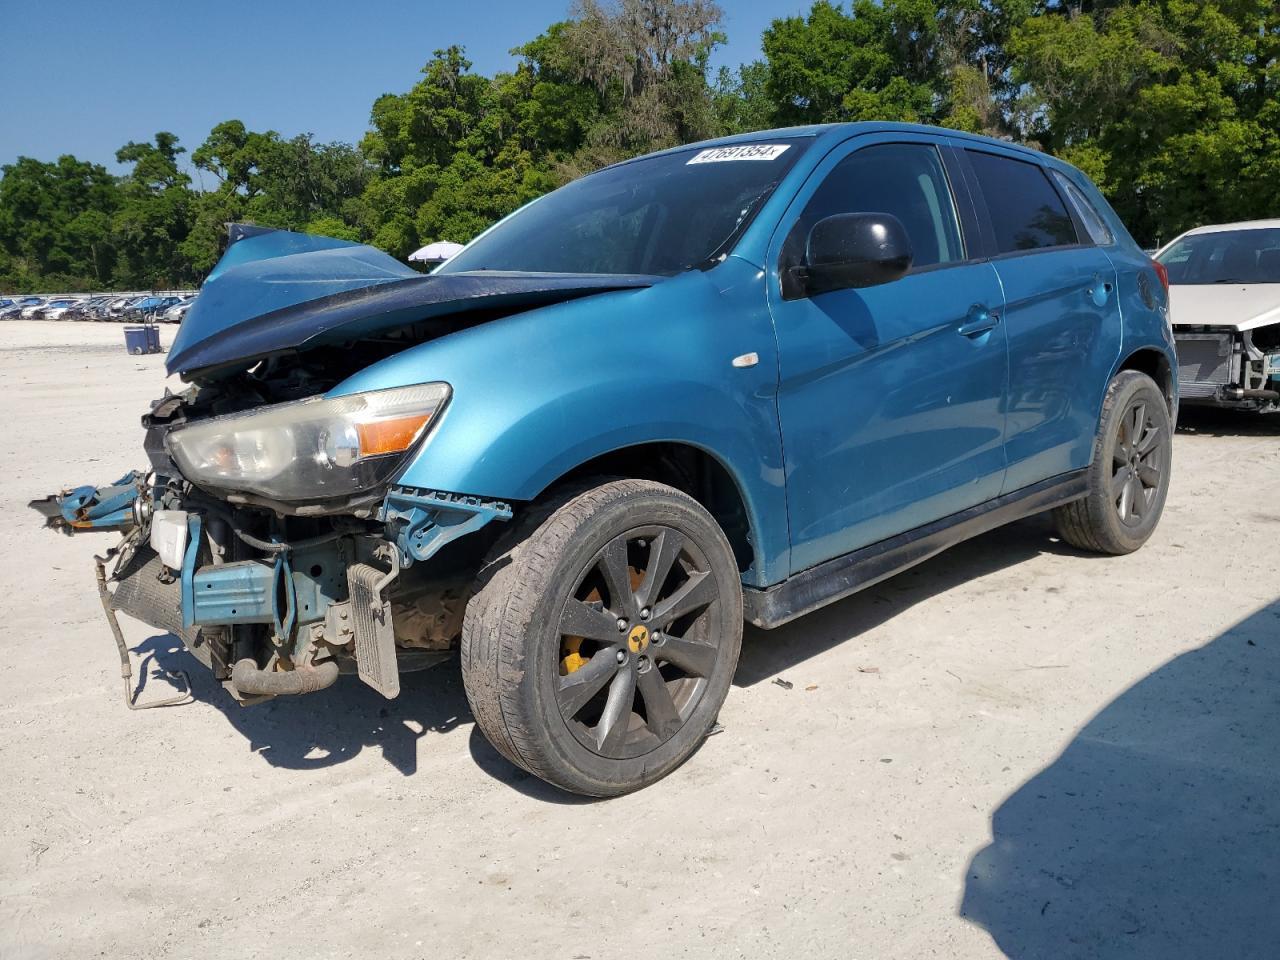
column 574, row 691
column 1137, row 499
column 1149, row 476
column 583, row 620
column 1118, row 483
column 1126, row 491
column 695, row 659
column 1124, row 439
column 662, row 717
column 695, row 593
column 611, row 731
column 1149, row 442
column 1139, row 425
column 617, row 578
column 663, row 552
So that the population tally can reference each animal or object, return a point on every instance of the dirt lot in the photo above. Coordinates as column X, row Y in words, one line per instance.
column 1013, row 749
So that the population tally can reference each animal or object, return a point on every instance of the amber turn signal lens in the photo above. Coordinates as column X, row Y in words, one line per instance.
column 389, row 436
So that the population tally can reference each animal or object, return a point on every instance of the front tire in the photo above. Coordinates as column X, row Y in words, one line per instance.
column 603, row 636
column 1129, row 475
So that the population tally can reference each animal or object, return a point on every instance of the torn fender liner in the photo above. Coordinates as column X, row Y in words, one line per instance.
column 280, row 292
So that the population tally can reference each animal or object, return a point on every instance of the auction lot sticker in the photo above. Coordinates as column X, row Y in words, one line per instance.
column 747, row 151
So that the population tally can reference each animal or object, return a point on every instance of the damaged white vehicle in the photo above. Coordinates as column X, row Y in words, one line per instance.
column 1224, row 293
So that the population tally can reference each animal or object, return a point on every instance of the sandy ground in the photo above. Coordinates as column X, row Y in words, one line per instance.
column 1012, row 750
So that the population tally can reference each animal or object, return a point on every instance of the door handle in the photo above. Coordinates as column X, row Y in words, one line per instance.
column 979, row 321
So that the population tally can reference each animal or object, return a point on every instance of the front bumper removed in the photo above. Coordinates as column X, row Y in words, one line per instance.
column 1226, row 368
column 274, row 616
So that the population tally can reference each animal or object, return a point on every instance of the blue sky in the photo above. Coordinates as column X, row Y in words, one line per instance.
column 86, row 77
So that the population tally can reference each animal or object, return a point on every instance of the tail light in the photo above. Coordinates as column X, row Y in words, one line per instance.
column 1163, row 273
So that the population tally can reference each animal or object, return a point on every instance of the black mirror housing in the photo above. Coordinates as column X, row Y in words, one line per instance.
column 852, row 250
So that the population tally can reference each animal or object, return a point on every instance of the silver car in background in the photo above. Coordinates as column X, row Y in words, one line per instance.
column 175, row 313
column 58, row 309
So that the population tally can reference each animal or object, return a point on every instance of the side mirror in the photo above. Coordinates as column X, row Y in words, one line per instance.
column 852, row 250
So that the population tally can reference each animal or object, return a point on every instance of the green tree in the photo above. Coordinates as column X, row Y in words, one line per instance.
column 154, row 216
column 875, row 62
column 459, row 150
column 1173, row 106
column 264, row 179
column 55, row 224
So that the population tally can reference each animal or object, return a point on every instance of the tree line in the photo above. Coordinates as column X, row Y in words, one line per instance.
column 1171, row 106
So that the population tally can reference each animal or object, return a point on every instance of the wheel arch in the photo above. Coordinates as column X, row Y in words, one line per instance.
column 1155, row 364
column 691, row 469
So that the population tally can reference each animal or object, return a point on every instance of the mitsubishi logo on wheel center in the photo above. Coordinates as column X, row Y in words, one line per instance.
column 638, row 638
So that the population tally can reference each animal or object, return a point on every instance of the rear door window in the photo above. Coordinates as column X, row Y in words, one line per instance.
column 1026, row 212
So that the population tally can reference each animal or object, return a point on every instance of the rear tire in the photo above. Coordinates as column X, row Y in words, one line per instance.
column 1129, row 475
column 638, row 577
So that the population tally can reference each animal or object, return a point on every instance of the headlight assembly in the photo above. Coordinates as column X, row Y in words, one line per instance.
column 309, row 449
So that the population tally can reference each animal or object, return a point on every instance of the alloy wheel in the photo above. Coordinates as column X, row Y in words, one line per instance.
column 636, row 642
column 1138, row 463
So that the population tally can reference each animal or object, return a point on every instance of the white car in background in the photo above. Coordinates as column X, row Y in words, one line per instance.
column 1224, row 298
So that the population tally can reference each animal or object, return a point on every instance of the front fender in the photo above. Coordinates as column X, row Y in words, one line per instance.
column 538, row 394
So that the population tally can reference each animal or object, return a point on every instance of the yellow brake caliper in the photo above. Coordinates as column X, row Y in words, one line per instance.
column 570, row 657
column 572, row 660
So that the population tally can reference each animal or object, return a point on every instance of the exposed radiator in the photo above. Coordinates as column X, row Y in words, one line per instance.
column 1204, row 358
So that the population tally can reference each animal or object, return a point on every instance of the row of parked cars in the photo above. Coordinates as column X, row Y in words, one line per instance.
column 147, row 308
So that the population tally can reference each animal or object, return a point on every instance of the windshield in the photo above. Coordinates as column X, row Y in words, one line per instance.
column 1227, row 256
column 658, row 215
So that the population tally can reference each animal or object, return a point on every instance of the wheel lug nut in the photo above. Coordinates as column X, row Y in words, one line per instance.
column 622, row 657
column 622, row 624
column 644, row 614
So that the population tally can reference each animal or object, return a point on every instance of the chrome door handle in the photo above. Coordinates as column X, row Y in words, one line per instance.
column 980, row 321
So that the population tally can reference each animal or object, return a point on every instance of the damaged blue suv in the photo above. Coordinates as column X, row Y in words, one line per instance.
column 736, row 380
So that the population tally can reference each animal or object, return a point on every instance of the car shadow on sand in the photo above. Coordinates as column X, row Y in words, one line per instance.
column 768, row 653
column 335, row 725
column 1156, row 832
column 1225, row 422
column 322, row 729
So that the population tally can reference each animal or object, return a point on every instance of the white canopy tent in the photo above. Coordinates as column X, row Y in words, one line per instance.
column 437, row 252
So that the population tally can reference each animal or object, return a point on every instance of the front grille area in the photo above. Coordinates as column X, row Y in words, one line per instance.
column 1204, row 358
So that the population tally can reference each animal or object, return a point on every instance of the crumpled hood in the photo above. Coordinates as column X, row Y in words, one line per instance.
column 279, row 292
column 1239, row 306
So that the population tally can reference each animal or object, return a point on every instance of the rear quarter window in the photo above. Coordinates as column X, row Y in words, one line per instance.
column 1094, row 225
column 1026, row 212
